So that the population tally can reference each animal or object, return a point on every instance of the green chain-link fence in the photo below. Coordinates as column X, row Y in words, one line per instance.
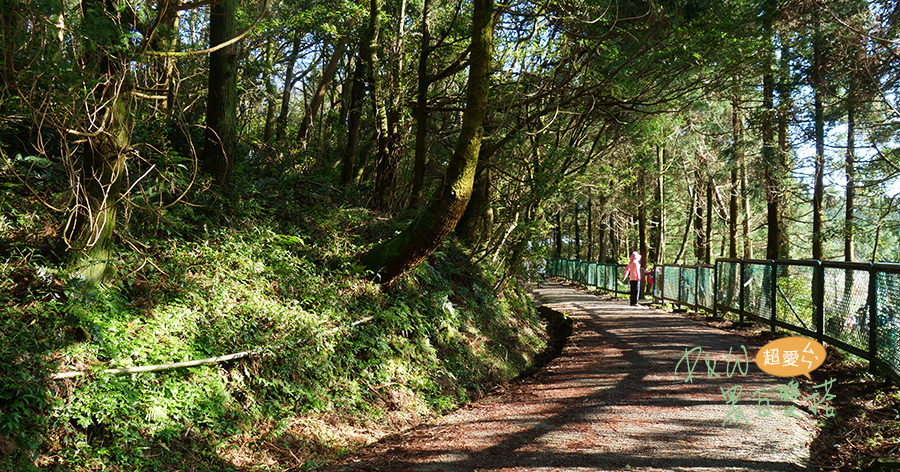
column 606, row 277
column 848, row 305
column 691, row 286
column 853, row 306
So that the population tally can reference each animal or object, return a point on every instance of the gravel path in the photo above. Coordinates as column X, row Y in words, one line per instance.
column 612, row 401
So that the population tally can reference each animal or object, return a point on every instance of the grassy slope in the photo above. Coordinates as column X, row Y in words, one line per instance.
column 273, row 271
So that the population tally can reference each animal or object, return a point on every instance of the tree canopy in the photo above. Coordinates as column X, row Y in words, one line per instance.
column 649, row 110
column 370, row 149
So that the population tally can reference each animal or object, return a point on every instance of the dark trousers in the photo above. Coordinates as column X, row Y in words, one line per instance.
column 635, row 291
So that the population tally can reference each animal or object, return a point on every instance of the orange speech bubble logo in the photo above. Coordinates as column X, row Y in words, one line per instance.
column 787, row 357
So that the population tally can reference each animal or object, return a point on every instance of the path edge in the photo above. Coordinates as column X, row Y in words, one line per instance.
column 559, row 329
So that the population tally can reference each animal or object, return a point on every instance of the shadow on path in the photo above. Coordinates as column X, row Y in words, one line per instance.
column 610, row 401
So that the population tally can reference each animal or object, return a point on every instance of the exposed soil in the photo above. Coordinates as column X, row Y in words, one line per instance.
column 612, row 401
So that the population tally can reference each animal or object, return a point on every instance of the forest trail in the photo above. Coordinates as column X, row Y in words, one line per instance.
column 611, row 401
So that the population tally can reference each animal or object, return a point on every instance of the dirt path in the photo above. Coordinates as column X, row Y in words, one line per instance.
column 611, row 401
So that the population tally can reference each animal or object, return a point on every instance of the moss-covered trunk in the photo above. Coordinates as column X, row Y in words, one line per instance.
column 432, row 225
column 165, row 38
column 476, row 223
column 418, row 182
column 386, row 147
column 98, row 188
column 101, row 177
column 357, row 92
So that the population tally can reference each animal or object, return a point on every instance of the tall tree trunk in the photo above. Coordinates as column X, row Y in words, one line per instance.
column 319, row 97
column 733, row 215
column 385, row 165
column 577, row 235
column 344, row 104
column 437, row 220
column 771, row 169
column 688, row 224
column 397, row 89
column 590, row 231
column 602, row 251
column 849, row 230
column 281, row 127
column 653, row 249
column 418, row 182
column 495, row 256
column 221, row 103
column 722, row 211
column 642, row 212
column 390, row 152
column 626, row 236
column 707, row 255
column 559, row 238
column 642, row 228
column 613, row 239
column 699, row 224
column 107, row 144
column 271, row 104
column 737, row 151
column 819, row 115
column 850, row 169
column 659, row 242
column 165, row 38
column 477, row 221
column 745, row 210
column 357, row 91
column 784, row 146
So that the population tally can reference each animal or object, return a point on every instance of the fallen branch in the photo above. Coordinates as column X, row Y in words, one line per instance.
column 193, row 363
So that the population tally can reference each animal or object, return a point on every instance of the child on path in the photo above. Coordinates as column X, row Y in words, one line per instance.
column 633, row 272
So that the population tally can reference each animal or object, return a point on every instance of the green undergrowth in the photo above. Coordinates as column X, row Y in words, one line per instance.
column 337, row 361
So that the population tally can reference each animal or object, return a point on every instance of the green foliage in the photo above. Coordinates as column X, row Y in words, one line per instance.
column 209, row 284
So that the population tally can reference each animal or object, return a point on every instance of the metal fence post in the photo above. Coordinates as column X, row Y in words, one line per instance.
column 741, row 291
column 657, row 280
column 614, row 278
column 715, row 287
column 606, row 279
column 774, row 289
column 662, row 282
column 697, row 288
column 819, row 299
column 680, row 295
column 873, row 318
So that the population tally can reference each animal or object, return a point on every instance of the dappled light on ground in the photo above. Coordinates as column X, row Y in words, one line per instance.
column 612, row 401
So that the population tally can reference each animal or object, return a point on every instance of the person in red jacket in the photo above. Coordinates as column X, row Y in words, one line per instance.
column 633, row 273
